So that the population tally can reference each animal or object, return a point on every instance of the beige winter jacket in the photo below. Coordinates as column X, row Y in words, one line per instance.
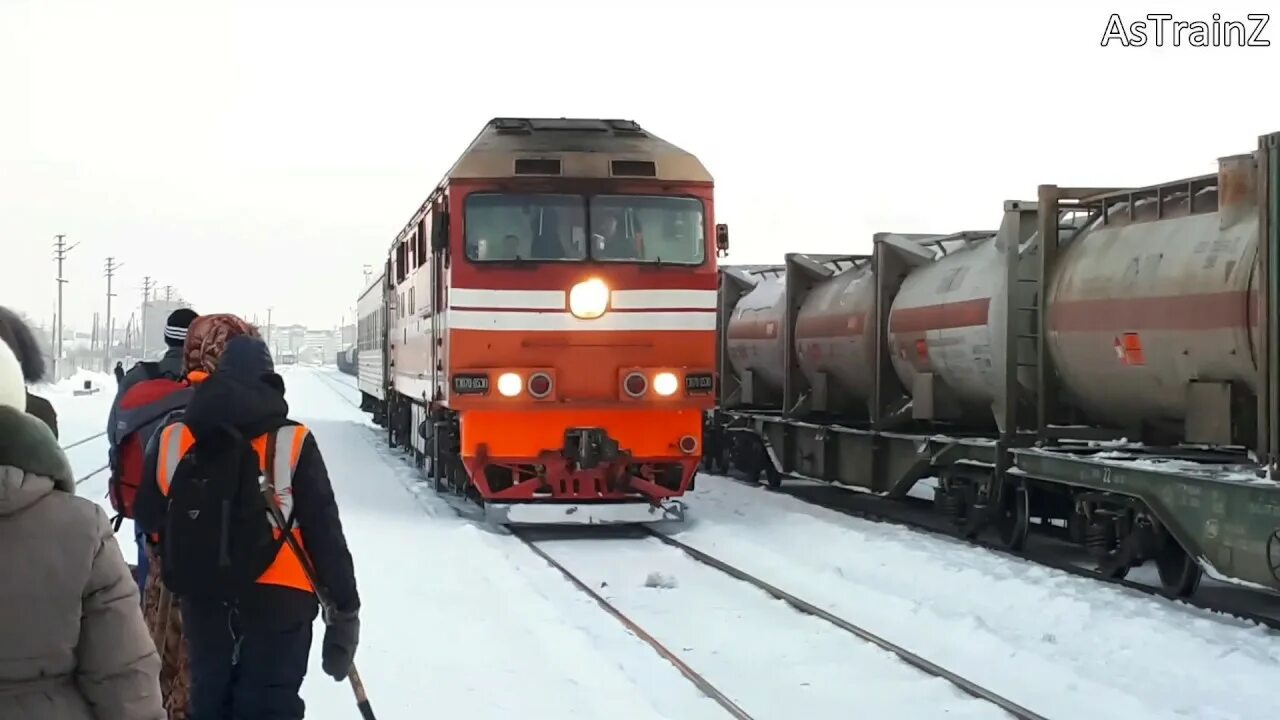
column 73, row 644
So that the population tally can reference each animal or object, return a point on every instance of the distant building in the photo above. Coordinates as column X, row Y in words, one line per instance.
column 324, row 342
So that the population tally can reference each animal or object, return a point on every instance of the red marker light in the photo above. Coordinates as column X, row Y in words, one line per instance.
column 635, row 384
column 540, row 385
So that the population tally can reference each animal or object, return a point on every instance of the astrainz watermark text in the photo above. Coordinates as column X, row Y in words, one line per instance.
column 1161, row 29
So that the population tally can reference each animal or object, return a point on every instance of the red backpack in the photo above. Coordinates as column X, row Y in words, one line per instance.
column 144, row 407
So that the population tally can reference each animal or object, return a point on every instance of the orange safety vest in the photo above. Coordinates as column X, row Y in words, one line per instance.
column 286, row 570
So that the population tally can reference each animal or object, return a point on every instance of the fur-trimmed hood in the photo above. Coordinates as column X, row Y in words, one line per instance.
column 31, row 463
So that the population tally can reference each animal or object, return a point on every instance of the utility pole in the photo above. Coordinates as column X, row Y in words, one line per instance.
column 168, row 293
column 60, row 253
column 269, row 325
column 111, row 269
column 147, row 285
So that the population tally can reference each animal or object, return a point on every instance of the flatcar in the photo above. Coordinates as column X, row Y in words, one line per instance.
column 550, row 317
column 1103, row 365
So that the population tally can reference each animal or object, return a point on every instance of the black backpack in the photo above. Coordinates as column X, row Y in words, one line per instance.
column 217, row 538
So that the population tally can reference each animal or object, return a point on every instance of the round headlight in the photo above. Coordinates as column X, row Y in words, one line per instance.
column 509, row 384
column 589, row 299
column 665, row 383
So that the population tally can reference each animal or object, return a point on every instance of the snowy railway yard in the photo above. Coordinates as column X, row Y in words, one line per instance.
column 462, row 621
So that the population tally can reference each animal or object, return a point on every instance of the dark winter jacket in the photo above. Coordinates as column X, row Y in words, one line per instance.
column 43, row 409
column 254, row 403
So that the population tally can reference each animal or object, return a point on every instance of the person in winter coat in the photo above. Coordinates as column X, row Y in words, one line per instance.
column 202, row 347
column 176, row 327
column 125, row 419
column 251, row 655
column 15, row 333
column 73, row 644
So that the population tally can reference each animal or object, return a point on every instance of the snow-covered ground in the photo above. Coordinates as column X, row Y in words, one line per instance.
column 1063, row 645
column 462, row 622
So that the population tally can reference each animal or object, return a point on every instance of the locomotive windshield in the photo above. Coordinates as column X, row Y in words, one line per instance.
column 623, row 228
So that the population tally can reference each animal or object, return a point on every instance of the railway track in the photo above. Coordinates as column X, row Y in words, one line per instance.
column 905, row 513
column 921, row 664
column 81, row 480
column 82, row 441
column 333, row 383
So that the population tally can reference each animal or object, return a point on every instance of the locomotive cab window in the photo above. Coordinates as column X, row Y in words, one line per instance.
column 525, row 227
column 622, row 228
column 649, row 229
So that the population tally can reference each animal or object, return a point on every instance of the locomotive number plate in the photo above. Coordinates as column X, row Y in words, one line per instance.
column 699, row 384
column 471, row 384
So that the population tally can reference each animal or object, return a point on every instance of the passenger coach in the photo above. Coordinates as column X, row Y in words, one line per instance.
column 550, row 341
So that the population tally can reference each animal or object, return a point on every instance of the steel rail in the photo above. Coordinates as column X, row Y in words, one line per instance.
column 83, row 441
column 916, row 661
column 692, row 675
column 95, row 472
column 902, row 514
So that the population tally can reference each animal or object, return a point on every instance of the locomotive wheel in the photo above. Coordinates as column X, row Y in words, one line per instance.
column 1014, row 522
column 1179, row 573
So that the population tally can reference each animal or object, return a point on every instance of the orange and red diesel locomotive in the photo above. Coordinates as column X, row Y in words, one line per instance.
column 543, row 335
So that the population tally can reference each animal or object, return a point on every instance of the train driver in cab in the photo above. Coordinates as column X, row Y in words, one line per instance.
column 609, row 239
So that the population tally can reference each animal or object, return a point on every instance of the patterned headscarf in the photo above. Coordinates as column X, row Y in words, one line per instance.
column 207, row 338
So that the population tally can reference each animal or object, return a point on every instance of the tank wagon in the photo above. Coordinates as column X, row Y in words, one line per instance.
column 547, row 340
column 346, row 360
column 1104, row 361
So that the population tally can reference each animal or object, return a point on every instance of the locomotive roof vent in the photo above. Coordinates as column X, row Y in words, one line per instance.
column 567, row 124
column 537, row 166
column 633, row 168
column 626, row 127
column 511, row 126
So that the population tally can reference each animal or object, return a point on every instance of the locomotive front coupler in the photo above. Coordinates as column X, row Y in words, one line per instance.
column 588, row 448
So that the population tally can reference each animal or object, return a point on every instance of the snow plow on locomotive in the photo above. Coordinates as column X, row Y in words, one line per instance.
column 550, row 324
column 1104, row 363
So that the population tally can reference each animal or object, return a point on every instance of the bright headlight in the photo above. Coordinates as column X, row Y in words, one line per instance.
column 589, row 299
column 509, row 384
column 665, row 383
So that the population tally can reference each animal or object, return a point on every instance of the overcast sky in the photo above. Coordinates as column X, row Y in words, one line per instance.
column 258, row 153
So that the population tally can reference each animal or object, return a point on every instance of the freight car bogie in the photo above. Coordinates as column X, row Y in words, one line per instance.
column 972, row 497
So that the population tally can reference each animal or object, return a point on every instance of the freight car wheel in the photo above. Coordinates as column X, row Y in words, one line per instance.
column 1014, row 522
column 1179, row 573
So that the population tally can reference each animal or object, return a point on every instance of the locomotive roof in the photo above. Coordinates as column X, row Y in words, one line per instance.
column 574, row 148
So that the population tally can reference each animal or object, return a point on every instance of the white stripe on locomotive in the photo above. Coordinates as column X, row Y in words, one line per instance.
column 553, row 321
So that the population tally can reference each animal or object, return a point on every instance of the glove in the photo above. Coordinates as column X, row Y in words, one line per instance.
column 341, row 635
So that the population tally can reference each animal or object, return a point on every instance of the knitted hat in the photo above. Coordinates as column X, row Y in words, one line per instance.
column 175, row 328
column 13, row 391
